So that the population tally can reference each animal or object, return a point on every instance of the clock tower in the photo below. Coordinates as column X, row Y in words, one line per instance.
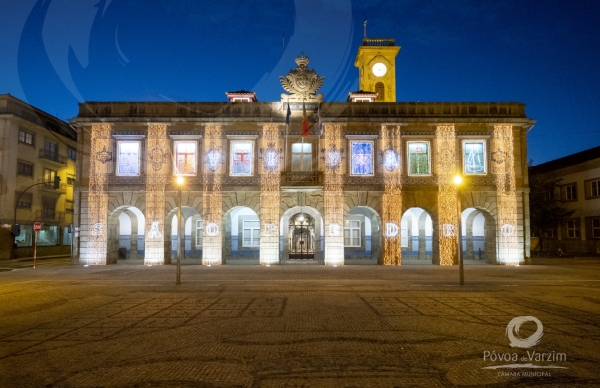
column 376, row 62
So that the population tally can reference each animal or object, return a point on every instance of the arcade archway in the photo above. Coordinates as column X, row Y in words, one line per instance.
column 362, row 236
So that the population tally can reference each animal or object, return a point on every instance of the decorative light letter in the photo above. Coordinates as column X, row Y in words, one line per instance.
column 391, row 229
column 154, row 231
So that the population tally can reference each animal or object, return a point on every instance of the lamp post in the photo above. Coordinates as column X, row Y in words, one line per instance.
column 179, row 232
column 457, row 183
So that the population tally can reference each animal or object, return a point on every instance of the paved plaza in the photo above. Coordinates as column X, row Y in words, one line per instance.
column 298, row 325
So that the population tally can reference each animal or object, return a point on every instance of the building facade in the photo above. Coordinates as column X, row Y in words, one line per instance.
column 304, row 179
column 36, row 147
column 579, row 189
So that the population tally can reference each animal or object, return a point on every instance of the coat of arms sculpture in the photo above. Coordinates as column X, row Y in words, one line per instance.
column 302, row 84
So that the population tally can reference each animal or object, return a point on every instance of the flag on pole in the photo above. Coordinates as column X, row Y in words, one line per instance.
column 320, row 122
column 305, row 125
column 289, row 113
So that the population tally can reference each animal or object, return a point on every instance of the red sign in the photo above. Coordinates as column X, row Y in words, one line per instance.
column 37, row 226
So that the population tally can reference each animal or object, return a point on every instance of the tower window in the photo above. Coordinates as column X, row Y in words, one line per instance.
column 380, row 90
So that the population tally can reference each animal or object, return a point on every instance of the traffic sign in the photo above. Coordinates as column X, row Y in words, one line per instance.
column 37, row 226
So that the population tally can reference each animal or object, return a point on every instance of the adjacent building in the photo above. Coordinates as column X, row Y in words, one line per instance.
column 35, row 148
column 578, row 187
column 370, row 180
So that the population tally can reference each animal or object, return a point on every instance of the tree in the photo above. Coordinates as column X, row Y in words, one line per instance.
column 546, row 210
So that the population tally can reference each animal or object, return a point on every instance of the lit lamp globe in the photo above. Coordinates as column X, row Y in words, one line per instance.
column 179, row 180
column 301, row 217
column 457, row 180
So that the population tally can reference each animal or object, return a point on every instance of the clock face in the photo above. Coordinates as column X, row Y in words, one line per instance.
column 379, row 69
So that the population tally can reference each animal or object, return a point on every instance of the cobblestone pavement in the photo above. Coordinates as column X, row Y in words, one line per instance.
column 297, row 326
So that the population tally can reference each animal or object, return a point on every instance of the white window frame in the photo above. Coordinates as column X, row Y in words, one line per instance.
column 139, row 157
column 350, row 229
column 176, row 158
column 596, row 228
column 404, row 233
column 199, row 235
column 595, row 191
column 254, row 242
column 572, row 227
column 465, row 156
column 571, row 192
column 25, row 137
column 302, row 153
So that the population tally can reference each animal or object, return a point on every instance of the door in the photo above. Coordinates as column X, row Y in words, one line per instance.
column 302, row 237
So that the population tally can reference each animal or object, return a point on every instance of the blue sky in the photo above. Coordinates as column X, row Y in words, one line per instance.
column 57, row 53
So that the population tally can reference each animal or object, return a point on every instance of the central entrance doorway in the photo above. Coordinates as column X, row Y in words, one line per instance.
column 302, row 237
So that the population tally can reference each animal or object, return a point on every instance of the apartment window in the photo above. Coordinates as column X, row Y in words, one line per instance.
column 49, row 176
column 199, row 232
column 301, row 157
column 595, row 227
column 70, row 180
column 572, row 229
column 26, row 137
column 24, row 169
column 549, row 233
column 251, row 232
column 570, row 192
column 51, row 148
column 71, row 153
column 595, row 188
column 24, row 200
column 352, row 233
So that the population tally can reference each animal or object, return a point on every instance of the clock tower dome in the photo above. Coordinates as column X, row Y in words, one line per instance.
column 376, row 62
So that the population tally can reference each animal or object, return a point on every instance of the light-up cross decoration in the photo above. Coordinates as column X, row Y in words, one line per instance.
column 333, row 157
column 270, row 157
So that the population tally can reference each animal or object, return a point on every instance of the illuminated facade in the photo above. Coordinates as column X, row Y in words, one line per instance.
column 371, row 183
column 35, row 148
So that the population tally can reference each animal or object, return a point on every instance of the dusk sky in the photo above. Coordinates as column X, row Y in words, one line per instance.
column 56, row 53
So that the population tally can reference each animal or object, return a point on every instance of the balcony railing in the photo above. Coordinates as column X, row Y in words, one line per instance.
column 49, row 186
column 54, row 156
column 50, row 215
column 301, row 178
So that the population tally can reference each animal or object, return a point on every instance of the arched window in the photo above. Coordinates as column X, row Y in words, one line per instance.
column 380, row 90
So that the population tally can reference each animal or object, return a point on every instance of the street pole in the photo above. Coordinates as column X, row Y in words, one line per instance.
column 179, row 223
column 460, row 258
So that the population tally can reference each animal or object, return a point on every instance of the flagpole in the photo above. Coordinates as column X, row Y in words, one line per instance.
column 287, row 127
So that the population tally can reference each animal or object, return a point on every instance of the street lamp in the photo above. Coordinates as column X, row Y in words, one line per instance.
column 180, row 183
column 458, row 183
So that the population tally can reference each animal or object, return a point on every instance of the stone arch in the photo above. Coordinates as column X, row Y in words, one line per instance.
column 251, row 255
column 187, row 213
column 425, row 251
column 489, row 240
column 284, row 231
column 249, row 199
column 113, row 231
column 376, row 238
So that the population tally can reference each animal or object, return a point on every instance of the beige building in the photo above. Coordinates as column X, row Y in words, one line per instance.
column 579, row 189
column 370, row 182
column 35, row 148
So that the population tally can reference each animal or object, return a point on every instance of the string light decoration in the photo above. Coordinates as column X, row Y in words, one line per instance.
column 503, row 169
column 157, row 172
column 97, row 196
column 333, row 191
column 392, row 196
column 212, row 198
column 270, row 181
column 450, row 241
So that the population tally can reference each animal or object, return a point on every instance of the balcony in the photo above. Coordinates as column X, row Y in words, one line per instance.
column 49, row 215
column 49, row 187
column 53, row 156
column 302, row 178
